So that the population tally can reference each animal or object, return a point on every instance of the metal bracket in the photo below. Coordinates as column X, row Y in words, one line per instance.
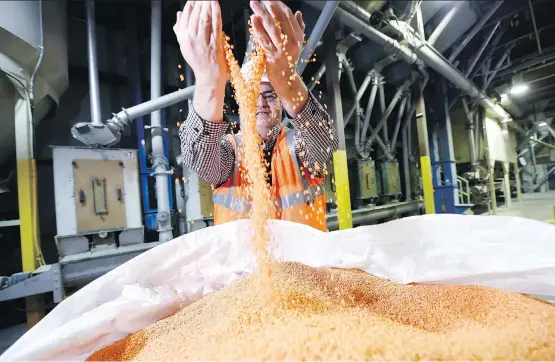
column 45, row 279
column 164, row 129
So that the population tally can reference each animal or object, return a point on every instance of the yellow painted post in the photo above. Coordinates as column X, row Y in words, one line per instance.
column 425, row 163
column 342, row 193
column 31, row 255
column 422, row 128
column 427, row 185
column 344, row 214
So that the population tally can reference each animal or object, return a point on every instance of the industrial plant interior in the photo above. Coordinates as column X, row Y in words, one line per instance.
column 441, row 106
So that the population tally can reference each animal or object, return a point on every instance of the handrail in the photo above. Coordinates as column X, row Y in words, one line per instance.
column 464, row 190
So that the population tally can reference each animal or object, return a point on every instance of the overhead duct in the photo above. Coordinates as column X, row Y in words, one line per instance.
column 420, row 50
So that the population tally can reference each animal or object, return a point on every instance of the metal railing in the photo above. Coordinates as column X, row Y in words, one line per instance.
column 463, row 190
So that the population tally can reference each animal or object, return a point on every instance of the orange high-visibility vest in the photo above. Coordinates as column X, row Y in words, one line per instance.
column 297, row 195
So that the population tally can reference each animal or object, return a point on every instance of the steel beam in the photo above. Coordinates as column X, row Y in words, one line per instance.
column 341, row 175
column 475, row 29
column 444, row 22
column 481, row 50
column 497, row 66
column 536, row 33
column 490, row 51
column 524, row 65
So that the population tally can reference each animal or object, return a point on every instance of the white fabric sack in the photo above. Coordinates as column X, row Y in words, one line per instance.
column 509, row 253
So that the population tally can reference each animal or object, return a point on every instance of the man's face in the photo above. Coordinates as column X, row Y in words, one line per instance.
column 268, row 107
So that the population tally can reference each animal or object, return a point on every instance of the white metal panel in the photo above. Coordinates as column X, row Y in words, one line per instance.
column 192, row 195
column 501, row 144
column 64, row 195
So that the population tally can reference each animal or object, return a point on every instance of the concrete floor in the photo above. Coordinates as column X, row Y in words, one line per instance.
column 537, row 206
column 8, row 336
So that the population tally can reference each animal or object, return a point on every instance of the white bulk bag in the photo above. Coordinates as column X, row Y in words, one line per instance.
column 503, row 252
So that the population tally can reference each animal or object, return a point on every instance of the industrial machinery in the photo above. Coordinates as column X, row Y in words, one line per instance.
column 199, row 206
column 389, row 181
column 97, row 197
column 329, row 186
column 364, row 191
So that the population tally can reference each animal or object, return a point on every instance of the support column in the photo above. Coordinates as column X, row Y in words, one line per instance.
column 492, row 187
column 425, row 164
column 448, row 184
column 344, row 215
column 160, row 162
column 422, row 129
column 507, row 184
column 31, row 255
column 518, row 185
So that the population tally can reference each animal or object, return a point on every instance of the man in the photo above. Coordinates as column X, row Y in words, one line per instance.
column 295, row 159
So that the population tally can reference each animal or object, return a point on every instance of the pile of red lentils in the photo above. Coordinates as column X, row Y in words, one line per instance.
column 341, row 314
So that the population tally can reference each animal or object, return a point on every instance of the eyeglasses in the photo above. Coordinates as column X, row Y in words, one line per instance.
column 269, row 96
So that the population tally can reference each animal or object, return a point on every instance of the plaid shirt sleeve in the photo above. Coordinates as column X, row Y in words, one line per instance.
column 205, row 150
column 315, row 136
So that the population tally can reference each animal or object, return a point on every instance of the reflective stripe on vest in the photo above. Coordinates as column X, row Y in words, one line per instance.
column 307, row 195
column 229, row 201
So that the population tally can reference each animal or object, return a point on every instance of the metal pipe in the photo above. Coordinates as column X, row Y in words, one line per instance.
column 359, row 26
column 366, row 216
column 359, row 95
column 388, row 111
column 400, row 114
column 39, row 61
column 535, row 27
column 317, row 77
column 427, row 54
column 323, row 20
column 406, row 164
column 159, row 163
column 549, row 145
column 478, row 133
column 382, row 145
column 351, row 79
column 180, row 205
column 94, row 91
column 443, row 24
column 475, row 30
column 470, row 132
column 531, row 144
column 481, row 50
column 547, row 177
column 369, row 108
column 122, row 119
column 382, row 110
